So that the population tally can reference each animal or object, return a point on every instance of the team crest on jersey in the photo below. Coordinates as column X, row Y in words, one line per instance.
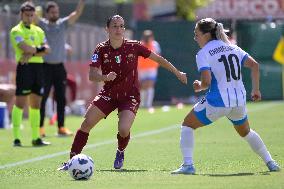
column 32, row 38
column 105, row 55
column 130, row 57
column 118, row 59
column 95, row 58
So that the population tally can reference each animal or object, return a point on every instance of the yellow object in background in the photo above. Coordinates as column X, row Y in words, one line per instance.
column 278, row 54
column 38, row 11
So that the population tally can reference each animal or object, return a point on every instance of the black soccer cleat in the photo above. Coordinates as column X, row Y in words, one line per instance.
column 17, row 143
column 39, row 142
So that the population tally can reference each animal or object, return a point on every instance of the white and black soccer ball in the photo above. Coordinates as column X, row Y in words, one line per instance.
column 81, row 167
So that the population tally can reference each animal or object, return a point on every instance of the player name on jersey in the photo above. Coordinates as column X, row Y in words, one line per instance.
column 220, row 49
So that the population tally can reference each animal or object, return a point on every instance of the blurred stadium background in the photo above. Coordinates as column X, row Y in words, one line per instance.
column 257, row 27
column 222, row 159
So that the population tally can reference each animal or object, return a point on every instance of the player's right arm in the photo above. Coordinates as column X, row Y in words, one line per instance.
column 205, row 72
column 29, row 50
column 95, row 75
column 204, row 83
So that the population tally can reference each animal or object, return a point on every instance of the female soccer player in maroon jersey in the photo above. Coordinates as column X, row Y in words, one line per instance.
column 118, row 59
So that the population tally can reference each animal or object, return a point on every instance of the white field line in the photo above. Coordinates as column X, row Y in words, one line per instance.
column 144, row 134
column 148, row 133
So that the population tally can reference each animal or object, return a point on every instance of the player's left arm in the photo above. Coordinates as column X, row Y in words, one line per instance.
column 254, row 67
column 44, row 47
column 74, row 16
column 167, row 65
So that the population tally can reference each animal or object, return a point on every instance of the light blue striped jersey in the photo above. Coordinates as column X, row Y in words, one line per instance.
column 225, row 62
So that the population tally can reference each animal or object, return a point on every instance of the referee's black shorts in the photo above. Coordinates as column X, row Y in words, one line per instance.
column 29, row 79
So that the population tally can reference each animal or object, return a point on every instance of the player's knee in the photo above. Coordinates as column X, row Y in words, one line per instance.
column 244, row 131
column 185, row 124
column 123, row 132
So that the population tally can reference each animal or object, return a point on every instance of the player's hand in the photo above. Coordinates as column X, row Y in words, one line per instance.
column 255, row 95
column 197, row 86
column 111, row 76
column 25, row 58
column 182, row 77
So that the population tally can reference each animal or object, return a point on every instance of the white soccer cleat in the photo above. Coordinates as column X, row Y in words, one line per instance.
column 273, row 166
column 185, row 169
column 64, row 167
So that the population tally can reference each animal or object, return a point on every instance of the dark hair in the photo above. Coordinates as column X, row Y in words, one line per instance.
column 217, row 31
column 27, row 6
column 49, row 5
column 208, row 25
column 113, row 17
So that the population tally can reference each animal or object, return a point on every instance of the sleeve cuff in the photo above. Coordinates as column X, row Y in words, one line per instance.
column 204, row 68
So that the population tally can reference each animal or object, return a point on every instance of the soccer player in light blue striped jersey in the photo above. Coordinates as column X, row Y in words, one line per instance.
column 220, row 64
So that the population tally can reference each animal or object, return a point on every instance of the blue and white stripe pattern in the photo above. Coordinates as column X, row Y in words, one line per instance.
column 225, row 62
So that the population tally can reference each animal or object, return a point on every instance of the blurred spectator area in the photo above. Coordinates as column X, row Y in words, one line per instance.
column 82, row 37
column 96, row 12
column 257, row 37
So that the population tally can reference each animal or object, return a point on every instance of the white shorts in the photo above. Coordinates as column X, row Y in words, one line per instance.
column 148, row 74
column 207, row 114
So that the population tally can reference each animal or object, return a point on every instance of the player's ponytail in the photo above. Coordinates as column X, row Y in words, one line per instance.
column 221, row 33
column 217, row 31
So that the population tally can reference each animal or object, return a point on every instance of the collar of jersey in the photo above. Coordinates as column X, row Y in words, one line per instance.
column 23, row 26
column 118, row 47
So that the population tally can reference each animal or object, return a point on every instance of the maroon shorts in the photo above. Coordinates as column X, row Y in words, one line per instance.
column 108, row 104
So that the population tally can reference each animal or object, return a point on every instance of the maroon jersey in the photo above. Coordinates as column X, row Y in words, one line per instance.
column 123, row 61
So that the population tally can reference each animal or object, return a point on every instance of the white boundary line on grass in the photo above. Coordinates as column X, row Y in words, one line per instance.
column 148, row 133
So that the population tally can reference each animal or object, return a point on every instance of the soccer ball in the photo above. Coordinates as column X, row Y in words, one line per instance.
column 81, row 167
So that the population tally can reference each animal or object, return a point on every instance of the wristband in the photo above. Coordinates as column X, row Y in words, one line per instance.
column 40, row 49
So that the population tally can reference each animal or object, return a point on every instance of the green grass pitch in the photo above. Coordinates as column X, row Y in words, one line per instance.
column 222, row 158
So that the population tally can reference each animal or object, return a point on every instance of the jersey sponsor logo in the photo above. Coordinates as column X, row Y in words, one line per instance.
column 26, row 91
column 41, row 90
column 130, row 55
column 106, row 61
column 97, row 98
column 106, row 98
column 19, row 39
column 95, row 58
column 118, row 59
column 203, row 100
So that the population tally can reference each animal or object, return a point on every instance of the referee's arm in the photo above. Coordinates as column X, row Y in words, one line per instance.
column 35, row 51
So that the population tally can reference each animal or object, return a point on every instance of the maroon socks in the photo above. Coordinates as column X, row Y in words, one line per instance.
column 122, row 142
column 81, row 139
column 79, row 142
